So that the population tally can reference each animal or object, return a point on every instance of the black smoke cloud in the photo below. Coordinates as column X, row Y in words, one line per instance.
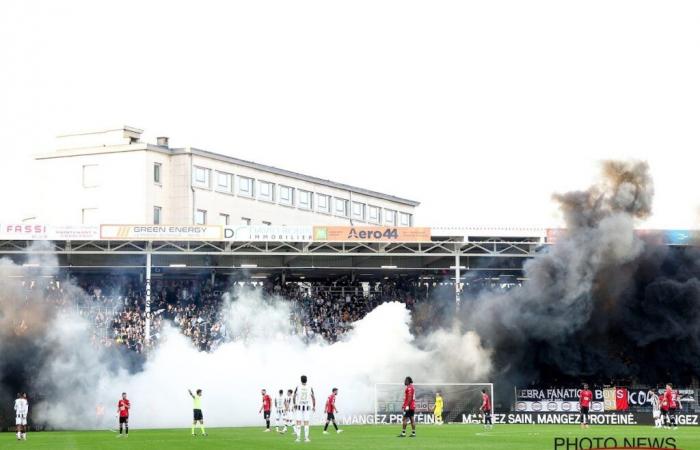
column 601, row 305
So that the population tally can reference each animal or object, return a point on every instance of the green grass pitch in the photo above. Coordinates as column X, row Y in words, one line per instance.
column 454, row 436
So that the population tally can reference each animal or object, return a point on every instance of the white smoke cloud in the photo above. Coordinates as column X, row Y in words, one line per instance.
column 380, row 348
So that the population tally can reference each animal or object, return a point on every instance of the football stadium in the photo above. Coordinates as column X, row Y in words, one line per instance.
column 357, row 329
column 349, row 225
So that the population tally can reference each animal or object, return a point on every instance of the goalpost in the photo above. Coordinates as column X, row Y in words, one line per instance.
column 460, row 400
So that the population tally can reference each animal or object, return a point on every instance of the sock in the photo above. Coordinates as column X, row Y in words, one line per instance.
column 192, row 428
column 326, row 427
column 297, row 431
column 335, row 425
column 127, row 429
column 306, row 431
column 201, row 427
column 267, row 422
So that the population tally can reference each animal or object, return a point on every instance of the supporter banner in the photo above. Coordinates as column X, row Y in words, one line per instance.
column 40, row 232
column 162, row 232
column 265, row 233
column 607, row 399
column 371, row 234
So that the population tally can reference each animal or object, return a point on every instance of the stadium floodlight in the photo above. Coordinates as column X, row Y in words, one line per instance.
column 389, row 267
column 178, row 265
column 30, row 265
column 460, row 267
column 258, row 277
column 248, row 266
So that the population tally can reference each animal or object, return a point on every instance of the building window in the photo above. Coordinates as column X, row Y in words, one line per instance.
column 245, row 186
column 390, row 216
column 157, row 211
column 156, row 172
column 374, row 214
column 306, row 199
column 341, row 207
column 90, row 176
column 201, row 177
column 324, row 203
column 224, row 182
column 200, row 217
column 245, row 221
column 89, row 216
column 286, row 195
column 358, row 211
column 404, row 219
column 266, row 191
column 224, row 219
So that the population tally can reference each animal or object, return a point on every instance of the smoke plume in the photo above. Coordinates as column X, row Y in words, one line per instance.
column 604, row 303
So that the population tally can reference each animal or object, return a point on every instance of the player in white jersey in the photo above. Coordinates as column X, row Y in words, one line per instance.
column 304, row 405
column 655, row 408
column 279, row 409
column 288, row 407
column 21, row 411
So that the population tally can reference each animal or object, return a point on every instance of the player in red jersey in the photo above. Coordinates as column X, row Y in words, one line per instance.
column 486, row 409
column 330, row 411
column 584, row 400
column 409, row 407
column 665, row 403
column 672, row 396
column 123, row 408
column 265, row 409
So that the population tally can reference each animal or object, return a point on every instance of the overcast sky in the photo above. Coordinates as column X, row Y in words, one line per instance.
column 480, row 110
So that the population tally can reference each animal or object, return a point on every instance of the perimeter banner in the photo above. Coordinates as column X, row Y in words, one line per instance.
column 269, row 233
column 162, row 232
column 42, row 232
column 371, row 234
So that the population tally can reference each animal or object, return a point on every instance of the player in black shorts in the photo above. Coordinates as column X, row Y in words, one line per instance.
column 330, row 412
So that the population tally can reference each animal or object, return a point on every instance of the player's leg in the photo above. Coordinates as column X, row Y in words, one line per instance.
column 201, row 427
column 403, row 425
column 121, row 427
column 306, row 418
column 413, row 426
column 297, row 427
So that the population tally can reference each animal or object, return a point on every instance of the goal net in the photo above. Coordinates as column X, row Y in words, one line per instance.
column 459, row 400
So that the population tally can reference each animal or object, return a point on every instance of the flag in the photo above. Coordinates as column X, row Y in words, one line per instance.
column 621, row 399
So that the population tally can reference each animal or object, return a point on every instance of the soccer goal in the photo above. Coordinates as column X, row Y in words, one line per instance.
column 459, row 399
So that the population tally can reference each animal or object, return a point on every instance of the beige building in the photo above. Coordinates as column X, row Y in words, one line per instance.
column 110, row 176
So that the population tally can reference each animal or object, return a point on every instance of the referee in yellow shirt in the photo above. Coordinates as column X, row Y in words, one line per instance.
column 197, row 409
column 438, row 409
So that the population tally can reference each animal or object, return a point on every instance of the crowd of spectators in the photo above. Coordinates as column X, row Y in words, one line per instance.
column 115, row 305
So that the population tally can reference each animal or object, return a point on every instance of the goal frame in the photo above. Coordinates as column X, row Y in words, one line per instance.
column 376, row 403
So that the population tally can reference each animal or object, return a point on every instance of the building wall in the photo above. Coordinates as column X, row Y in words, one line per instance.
column 114, row 183
column 113, row 192
column 237, row 206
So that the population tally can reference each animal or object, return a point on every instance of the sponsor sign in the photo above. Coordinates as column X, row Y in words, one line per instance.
column 162, row 232
column 40, row 232
column 265, row 233
column 555, row 406
column 542, row 418
column 371, row 234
